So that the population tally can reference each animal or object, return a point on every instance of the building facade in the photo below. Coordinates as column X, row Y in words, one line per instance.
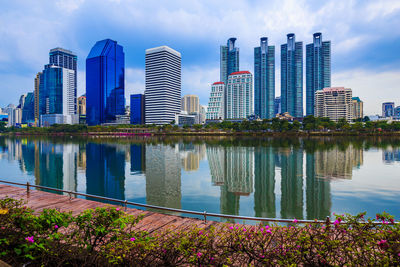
column 36, row 92
column 68, row 60
column 28, row 110
column 292, row 77
column 163, row 85
column 388, row 109
column 318, row 69
column 137, row 109
column 397, row 112
column 239, row 95
column 82, row 105
column 277, row 105
column 229, row 59
column 215, row 109
column 105, row 82
column 334, row 103
column 190, row 104
column 358, row 108
column 264, row 80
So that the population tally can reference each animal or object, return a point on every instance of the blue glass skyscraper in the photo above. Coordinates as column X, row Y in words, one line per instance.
column 28, row 111
column 137, row 109
column 264, row 80
column 318, row 69
column 292, row 77
column 105, row 79
column 229, row 60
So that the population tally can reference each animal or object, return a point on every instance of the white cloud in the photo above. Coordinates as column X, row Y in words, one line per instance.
column 373, row 88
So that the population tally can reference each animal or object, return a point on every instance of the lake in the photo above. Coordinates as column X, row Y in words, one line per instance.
column 303, row 178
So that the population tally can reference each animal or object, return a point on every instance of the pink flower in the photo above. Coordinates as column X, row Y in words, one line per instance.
column 336, row 222
column 199, row 254
column 267, row 226
column 295, row 221
column 56, row 226
column 30, row 239
column 133, row 239
column 231, row 227
column 269, row 231
column 117, row 209
column 398, row 254
column 212, row 258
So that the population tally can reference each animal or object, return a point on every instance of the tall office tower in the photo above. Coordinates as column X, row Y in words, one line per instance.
column 163, row 85
column 82, row 105
column 358, row 108
column 318, row 69
column 28, row 111
column 36, row 92
column 229, row 59
column 292, row 76
column 239, row 95
column 57, row 93
column 388, row 109
column 22, row 101
column 66, row 59
column 137, row 109
column 190, row 104
column 215, row 109
column 264, row 80
column 334, row 103
column 105, row 82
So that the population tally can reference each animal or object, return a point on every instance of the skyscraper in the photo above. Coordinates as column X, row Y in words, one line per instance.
column 36, row 92
column 137, row 109
column 28, row 110
column 229, row 60
column 318, row 69
column 66, row 59
column 264, row 80
column 292, row 76
column 105, row 82
column 358, row 108
column 163, row 85
column 239, row 95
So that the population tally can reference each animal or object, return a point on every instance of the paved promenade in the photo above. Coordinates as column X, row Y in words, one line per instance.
column 152, row 221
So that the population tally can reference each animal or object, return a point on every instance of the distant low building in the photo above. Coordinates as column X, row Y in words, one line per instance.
column 183, row 118
column 334, row 103
column 358, row 107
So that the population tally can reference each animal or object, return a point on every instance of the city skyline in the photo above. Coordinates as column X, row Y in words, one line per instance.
column 353, row 40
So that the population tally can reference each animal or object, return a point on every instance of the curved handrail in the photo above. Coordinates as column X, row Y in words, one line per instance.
column 204, row 214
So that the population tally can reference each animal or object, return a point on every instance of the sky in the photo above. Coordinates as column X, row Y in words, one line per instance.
column 365, row 37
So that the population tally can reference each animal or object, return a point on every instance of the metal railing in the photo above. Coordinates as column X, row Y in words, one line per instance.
column 204, row 214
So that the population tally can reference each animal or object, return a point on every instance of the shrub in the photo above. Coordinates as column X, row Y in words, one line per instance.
column 107, row 236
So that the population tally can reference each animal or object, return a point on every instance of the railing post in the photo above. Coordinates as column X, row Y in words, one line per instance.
column 328, row 222
column 70, row 195
column 205, row 216
column 27, row 187
column 126, row 204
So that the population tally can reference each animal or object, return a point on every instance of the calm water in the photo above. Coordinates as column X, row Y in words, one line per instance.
column 285, row 178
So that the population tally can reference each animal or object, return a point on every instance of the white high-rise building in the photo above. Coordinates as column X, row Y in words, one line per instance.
column 334, row 103
column 190, row 104
column 163, row 85
column 239, row 95
column 215, row 109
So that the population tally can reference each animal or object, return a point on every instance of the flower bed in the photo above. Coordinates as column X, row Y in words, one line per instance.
column 107, row 236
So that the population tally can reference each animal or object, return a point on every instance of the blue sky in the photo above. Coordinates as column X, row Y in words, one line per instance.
column 365, row 38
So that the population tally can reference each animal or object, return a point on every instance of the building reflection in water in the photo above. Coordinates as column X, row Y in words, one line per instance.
column 241, row 171
column 391, row 155
column 138, row 158
column 105, row 170
column 163, row 176
column 292, row 183
column 318, row 192
column 337, row 163
column 264, row 184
